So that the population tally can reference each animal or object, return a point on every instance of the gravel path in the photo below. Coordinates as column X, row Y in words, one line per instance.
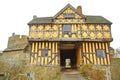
column 72, row 75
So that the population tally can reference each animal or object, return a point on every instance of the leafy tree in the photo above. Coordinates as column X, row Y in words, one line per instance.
column 117, row 53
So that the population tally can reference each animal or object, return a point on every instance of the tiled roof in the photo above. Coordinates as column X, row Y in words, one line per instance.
column 89, row 19
column 96, row 19
column 41, row 20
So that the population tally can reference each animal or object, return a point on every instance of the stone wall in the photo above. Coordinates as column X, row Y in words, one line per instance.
column 16, row 39
column 17, row 65
column 15, row 60
column 115, row 68
column 43, row 72
column 17, row 42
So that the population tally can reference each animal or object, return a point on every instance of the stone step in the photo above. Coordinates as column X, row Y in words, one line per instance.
column 70, row 74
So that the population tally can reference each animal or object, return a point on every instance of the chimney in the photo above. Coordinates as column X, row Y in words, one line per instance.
column 79, row 9
column 13, row 34
column 34, row 17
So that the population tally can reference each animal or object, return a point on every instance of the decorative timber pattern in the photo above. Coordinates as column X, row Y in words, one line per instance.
column 62, row 17
column 90, row 53
column 69, row 34
column 77, row 32
column 38, row 57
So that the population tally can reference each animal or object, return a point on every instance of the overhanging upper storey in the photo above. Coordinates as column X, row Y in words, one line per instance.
column 69, row 24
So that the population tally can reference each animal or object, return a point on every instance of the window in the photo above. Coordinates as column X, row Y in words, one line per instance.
column 70, row 15
column 100, row 53
column 66, row 28
column 44, row 53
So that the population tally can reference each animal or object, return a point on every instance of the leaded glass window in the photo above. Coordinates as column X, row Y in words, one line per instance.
column 44, row 53
column 71, row 15
column 100, row 53
column 66, row 28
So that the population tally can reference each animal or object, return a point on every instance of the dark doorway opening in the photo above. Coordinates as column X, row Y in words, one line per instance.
column 68, row 54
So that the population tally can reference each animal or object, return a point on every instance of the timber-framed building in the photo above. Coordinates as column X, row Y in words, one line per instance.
column 83, row 39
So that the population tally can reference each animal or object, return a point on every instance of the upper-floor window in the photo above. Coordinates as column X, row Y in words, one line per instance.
column 100, row 53
column 66, row 28
column 69, row 15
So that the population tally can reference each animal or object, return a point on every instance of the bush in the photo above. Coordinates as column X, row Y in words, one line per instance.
column 85, row 69
column 93, row 72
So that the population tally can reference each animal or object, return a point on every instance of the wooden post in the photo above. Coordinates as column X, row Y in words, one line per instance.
column 108, row 73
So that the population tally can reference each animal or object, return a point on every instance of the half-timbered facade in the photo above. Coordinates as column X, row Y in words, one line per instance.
column 70, row 35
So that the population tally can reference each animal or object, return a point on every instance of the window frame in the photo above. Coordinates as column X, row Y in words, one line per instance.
column 44, row 53
column 67, row 28
column 69, row 15
column 100, row 53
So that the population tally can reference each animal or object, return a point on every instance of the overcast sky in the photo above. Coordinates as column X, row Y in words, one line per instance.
column 15, row 14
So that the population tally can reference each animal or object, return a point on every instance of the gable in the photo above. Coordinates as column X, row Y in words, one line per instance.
column 69, row 9
column 69, row 13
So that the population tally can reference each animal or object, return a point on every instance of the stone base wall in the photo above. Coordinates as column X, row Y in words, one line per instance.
column 18, row 66
column 42, row 72
column 115, row 68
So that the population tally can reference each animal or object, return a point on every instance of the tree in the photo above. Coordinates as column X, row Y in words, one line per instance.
column 117, row 53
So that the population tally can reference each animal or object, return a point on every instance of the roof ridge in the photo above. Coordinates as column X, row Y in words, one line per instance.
column 94, row 15
column 46, row 17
